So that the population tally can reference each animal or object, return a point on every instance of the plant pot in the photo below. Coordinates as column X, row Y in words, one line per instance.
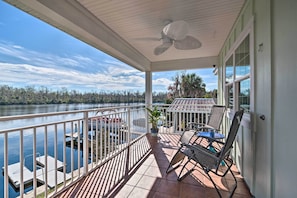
column 154, row 131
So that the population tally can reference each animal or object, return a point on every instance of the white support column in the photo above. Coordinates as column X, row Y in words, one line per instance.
column 148, row 93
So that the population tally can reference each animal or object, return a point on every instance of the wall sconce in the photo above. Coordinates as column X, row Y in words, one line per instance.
column 215, row 70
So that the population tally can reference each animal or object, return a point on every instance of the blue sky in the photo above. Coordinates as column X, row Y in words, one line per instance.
column 33, row 53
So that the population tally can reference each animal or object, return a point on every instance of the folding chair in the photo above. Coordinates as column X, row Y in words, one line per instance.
column 213, row 123
column 209, row 160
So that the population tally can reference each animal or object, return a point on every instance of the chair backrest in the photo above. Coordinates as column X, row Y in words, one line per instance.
column 216, row 116
column 232, row 134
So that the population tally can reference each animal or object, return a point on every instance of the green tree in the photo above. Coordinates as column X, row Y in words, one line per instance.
column 186, row 86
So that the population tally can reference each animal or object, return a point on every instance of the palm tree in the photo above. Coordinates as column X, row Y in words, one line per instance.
column 187, row 86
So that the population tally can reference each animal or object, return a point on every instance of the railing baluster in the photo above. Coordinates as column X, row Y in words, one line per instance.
column 21, row 163
column 97, row 141
column 56, row 154
column 34, row 162
column 6, row 165
column 85, row 144
column 64, row 154
column 92, row 142
column 46, row 163
column 108, row 137
column 71, row 149
column 78, row 149
column 101, row 142
column 105, row 139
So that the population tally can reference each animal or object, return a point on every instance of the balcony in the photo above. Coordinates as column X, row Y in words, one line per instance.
column 148, row 178
column 101, row 152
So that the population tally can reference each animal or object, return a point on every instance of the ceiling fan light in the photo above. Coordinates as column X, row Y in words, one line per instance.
column 176, row 30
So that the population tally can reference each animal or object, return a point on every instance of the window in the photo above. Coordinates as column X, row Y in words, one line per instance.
column 229, row 94
column 242, row 59
column 237, row 77
column 244, row 95
column 229, row 70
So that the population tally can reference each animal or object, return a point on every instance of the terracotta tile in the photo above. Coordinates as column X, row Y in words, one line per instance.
column 134, row 179
column 164, row 195
column 86, row 194
column 160, row 163
column 148, row 161
column 147, row 182
column 142, row 169
column 168, row 187
column 191, row 179
column 190, row 191
column 242, row 196
column 153, row 172
column 220, row 183
column 212, row 193
column 241, row 189
column 199, row 174
column 125, row 191
column 139, row 192
column 171, row 176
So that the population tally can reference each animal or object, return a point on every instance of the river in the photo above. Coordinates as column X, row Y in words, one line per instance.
column 13, row 139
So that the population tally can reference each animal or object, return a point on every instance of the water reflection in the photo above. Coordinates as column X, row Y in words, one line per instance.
column 14, row 138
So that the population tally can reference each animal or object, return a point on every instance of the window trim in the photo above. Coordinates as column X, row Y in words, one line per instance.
column 248, row 30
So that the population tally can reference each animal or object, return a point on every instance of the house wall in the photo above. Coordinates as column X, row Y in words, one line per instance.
column 269, row 143
column 284, row 94
column 263, row 100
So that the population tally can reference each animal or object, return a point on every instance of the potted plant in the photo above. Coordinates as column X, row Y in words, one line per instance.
column 154, row 117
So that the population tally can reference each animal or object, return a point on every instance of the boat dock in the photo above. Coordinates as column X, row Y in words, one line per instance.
column 14, row 172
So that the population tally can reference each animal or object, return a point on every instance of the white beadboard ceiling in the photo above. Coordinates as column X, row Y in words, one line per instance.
column 129, row 29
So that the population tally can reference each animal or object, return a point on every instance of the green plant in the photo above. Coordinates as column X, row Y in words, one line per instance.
column 154, row 117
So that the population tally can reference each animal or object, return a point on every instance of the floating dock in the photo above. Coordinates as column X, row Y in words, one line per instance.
column 14, row 172
column 73, row 135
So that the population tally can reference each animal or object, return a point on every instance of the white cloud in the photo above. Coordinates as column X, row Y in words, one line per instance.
column 79, row 72
column 30, row 75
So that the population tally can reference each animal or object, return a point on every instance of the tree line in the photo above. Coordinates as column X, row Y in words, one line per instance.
column 30, row 95
column 184, row 86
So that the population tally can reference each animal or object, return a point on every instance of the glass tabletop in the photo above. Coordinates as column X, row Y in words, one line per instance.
column 211, row 134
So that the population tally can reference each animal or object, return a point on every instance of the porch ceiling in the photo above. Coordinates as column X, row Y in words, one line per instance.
column 129, row 30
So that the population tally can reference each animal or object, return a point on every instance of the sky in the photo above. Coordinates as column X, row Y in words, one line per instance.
column 33, row 53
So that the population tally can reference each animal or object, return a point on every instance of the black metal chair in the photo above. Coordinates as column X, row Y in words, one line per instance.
column 209, row 160
column 213, row 123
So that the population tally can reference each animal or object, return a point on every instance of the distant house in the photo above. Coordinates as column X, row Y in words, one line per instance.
column 190, row 105
column 185, row 110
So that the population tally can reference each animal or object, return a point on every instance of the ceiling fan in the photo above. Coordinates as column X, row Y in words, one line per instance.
column 175, row 33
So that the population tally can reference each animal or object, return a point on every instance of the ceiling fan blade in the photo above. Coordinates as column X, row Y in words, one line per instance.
column 187, row 44
column 148, row 39
column 162, row 48
column 176, row 30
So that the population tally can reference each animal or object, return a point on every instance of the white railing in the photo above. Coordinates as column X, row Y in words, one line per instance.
column 76, row 142
column 175, row 120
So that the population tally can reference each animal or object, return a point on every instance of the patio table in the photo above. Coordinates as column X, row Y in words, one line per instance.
column 210, row 136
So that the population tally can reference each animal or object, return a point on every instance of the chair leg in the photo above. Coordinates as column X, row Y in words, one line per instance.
column 228, row 169
column 176, row 161
column 235, row 185
column 180, row 176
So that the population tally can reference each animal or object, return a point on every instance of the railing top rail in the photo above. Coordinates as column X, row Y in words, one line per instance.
column 37, row 125
column 30, row 116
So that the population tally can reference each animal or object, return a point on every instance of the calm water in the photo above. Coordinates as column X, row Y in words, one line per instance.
column 13, row 138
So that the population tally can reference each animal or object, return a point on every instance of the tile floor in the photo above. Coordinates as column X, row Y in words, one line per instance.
column 149, row 179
